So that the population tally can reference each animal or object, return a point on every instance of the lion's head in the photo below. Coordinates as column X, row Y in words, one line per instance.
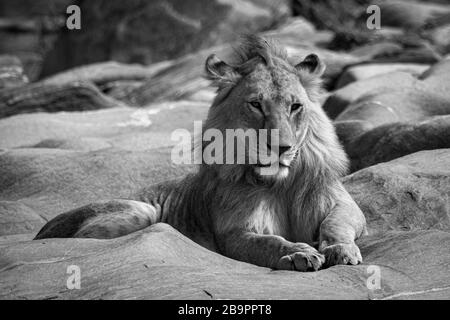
column 261, row 89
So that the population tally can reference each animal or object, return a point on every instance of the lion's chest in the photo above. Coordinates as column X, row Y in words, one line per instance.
column 269, row 218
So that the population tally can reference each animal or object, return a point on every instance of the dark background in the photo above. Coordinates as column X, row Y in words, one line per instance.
column 138, row 31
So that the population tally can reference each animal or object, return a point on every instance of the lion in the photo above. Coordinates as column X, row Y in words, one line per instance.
column 298, row 217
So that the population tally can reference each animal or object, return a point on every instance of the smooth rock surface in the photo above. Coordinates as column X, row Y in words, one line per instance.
column 163, row 264
column 51, row 181
column 361, row 72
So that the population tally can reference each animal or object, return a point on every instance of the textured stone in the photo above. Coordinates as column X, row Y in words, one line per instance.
column 76, row 96
column 341, row 98
column 394, row 140
column 408, row 193
column 361, row 72
column 411, row 15
column 163, row 264
column 51, row 181
column 16, row 218
column 11, row 72
column 391, row 115
column 51, row 163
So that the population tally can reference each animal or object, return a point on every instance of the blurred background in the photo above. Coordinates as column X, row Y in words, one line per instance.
column 139, row 31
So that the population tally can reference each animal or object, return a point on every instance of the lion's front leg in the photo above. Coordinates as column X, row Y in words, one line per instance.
column 339, row 230
column 269, row 251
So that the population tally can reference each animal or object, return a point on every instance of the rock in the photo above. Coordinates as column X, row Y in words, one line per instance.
column 11, row 72
column 104, row 72
column 363, row 116
column 120, row 127
column 65, row 160
column 408, row 193
column 6, row 240
column 328, row 14
column 16, row 217
column 348, row 130
column 437, row 77
column 51, row 181
column 339, row 100
column 36, row 97
column 411, row 15
column 378, row 49
column 396, row 46
column 298, row 29
column 28, row 30
column 382, row 109
column 395, row 140
column 80, row 144
column 145, row 32
column 434, row 81
column 440, row 37
column 120, row 89
column 424, row 54
column 398, row 104
column 179, row 81
column 361, row 72
column 163, row 264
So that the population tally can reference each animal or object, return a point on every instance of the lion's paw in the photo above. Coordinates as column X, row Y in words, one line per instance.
column 305, row 260
column 342, row 253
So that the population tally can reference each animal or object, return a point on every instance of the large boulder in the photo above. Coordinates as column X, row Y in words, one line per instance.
column 340, row 99
column 17, row 218
column 51, row 181
column 104, row 72
column 393, row 114
column 394, row 140
column 163, row 264
column 408, row 193
column 121, row 127
column 35, row 97
column 410, row 14
column 50, row 163
column 361, row 72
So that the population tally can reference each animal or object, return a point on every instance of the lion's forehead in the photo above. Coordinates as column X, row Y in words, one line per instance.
column 274, row 83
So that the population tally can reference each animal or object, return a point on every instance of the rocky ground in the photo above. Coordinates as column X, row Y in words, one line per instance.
column 101, row 130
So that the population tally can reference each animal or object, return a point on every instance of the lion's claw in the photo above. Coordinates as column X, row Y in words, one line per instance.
column 305, row 260
column 342, row 253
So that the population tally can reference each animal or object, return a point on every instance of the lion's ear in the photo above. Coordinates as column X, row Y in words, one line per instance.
column 220, row 72
column 312, row 64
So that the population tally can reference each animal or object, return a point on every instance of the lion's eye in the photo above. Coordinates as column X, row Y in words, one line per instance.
column 296, row 106
column 256, row 105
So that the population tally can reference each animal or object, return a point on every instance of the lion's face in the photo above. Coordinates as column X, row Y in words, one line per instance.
column 271, row 96
column 275, row 100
